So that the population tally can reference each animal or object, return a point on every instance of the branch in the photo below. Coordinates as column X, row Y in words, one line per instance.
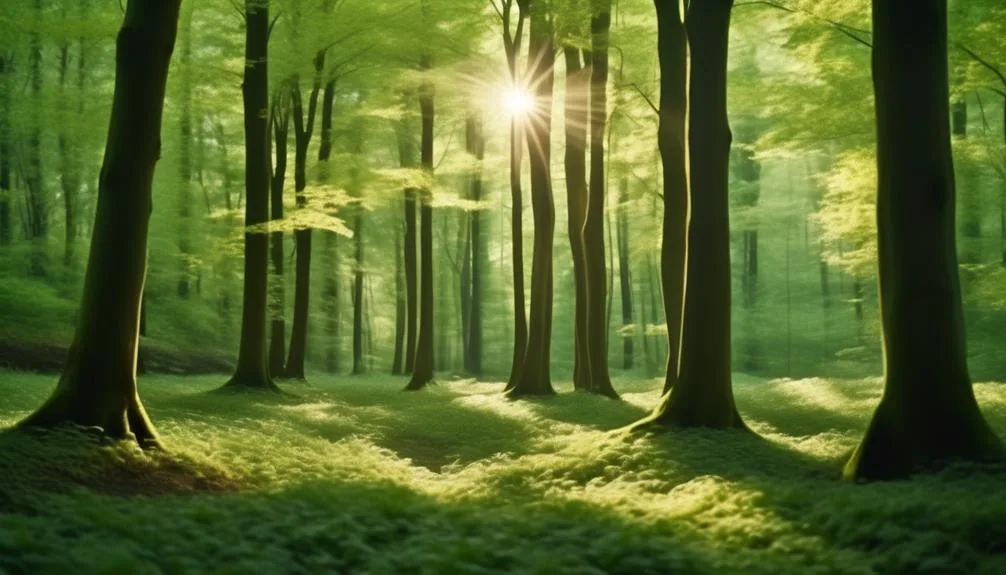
column 987, row 65
column 639, row 90
column 844, row 29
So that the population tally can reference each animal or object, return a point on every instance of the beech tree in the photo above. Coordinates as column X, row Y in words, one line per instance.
column 98, row 384
column 928, row 413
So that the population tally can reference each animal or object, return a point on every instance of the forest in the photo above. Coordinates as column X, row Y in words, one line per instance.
column 503, row 286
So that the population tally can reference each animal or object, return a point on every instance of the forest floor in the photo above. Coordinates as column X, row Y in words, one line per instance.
column 352, row 475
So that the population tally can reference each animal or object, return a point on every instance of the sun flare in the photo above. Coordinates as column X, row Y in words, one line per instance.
column 518, row 102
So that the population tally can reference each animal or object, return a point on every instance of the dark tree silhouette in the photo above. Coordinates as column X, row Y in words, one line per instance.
column 928, row 413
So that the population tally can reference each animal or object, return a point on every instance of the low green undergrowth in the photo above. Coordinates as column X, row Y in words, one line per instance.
column 352, row 475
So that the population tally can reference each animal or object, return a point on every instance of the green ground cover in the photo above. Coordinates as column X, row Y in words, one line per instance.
column 355, row 476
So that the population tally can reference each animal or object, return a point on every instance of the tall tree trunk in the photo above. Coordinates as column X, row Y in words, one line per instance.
column 303, row 130
column 5, row 149
column 358, row 271
column 703, row 395
column 397, row 361
column 517, row 129
column 98, row 385
column 479, row 256
column 748, row 173
column 465, row 285
column 593, row 227
column 422, row 372
column 625, row 271
column 406, row 154
column 928, row 412
column 69, row 175
column 184, row 206
column 672, row 47
column 277, row 299
column 577, row 111
column 252, row 371
column 37, row 205
column 970, row 196
column 330, row 292
column 535, row 377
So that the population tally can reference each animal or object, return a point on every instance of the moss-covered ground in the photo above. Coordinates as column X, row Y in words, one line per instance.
column 352, row 475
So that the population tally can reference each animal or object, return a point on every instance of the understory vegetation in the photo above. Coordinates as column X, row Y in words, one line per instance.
column 356, row 476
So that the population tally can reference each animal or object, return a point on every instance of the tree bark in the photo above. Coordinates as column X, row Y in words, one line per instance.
column 479, row 257
column 37, row 204
column 422, row 373
column 406, row 154
column 672, row 48
column 928, row 413
column 252, row 371
column 703, row 395
column 98, row 385
column 517, row 129
column 535, row 377
column 625, row 272
column 303, row 130
column 277, row 300
column 330, row 292
column 576, row 109
column 397, row 361
column 593, row 227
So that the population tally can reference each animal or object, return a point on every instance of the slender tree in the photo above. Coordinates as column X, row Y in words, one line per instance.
column 512, row 37
column 98, row 385
column 928, row 413
column 37, row 202
column 703, row 394
column 576, row 109
column 625, row 270
column 406, row 158
column 252, row 371
column 593, row 225
column 479, row 255
column 6, row 148
column 358, row 271
column 280, row 120
column 303, row 131
column 422, row 372
column 185, row 172
column 672, row 48
column 397, row 361
column 330, row 292
column 535, row 373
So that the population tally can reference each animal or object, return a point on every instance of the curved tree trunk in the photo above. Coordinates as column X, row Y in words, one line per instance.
column 535, row 377
column 928, row 412
column 672, row 46
column 98, row 385
column 703, row 394
column 251, row 371
column 577, row 116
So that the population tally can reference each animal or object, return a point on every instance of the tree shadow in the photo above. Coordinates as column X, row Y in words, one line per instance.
column 589, row 410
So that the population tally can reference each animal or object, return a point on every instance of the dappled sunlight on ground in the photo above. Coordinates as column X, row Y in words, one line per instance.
column 354, row 474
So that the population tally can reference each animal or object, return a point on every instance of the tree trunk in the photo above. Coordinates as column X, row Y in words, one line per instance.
column 593, row 227
column 625, row 272
column 535, row 377
column 748, row 172
column 252, row 371
column 303, row 131
column 37, row 204
column 184, row 205
column 422, row 373
column 465, row 284
column 69, row 174
column 98, row 385
column 928, row 412
column 970, row 194
column 703, row 396
column 358, row 272
column 577, row 106
column 396, row 364
column 5, row 150
column 277, row 301
column 406, row 154
column 330, row 292
column 479, row 256
column 672, row 47
column 517, row 130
